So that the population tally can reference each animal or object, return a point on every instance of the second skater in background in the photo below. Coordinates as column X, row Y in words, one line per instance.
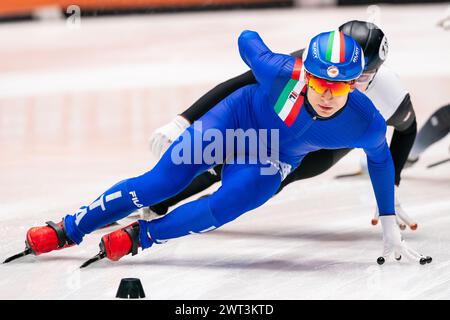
column 377, row 81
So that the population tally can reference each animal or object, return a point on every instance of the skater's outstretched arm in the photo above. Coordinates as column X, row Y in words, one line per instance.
column 164, row 136
column 380, row 165
column 265, row 64
column 220, row 92
column 217, row 94
column 381, row 171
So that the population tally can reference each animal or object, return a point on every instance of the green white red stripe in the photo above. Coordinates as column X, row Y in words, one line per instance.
column 297, row 69
column 336, row 47
column 290, row 100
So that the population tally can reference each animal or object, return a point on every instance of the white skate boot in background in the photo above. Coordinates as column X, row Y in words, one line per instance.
column 148, row 214
column 363, row 170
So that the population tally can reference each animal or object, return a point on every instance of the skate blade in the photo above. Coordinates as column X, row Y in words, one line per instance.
column 349, row 175
column 438, row 163
column 19, row 255
column 97, row 257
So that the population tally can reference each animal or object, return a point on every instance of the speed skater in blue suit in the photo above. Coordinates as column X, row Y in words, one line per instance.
column 297, row 106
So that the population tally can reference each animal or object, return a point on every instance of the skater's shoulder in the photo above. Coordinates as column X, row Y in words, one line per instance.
column 362, row 104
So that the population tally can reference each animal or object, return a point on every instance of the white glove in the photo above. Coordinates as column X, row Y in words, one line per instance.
column 164, row 136
column 393, row 243
column 402, row 218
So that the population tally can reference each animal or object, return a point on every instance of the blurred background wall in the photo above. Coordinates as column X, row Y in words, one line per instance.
column 20, row 9
column 71, row 80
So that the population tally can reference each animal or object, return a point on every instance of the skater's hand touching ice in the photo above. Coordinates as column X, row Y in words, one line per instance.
column 393, row 243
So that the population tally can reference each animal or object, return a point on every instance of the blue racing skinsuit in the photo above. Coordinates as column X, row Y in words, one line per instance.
column 276, row 102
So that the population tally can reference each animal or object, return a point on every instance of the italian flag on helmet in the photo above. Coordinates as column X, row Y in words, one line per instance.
column 334, row 56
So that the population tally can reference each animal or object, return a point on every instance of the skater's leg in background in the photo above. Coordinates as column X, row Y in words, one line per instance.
column 313, row 164
column 199, row 184
column 436, row 128
column 243, row 189
column 401, row 144
column 404, row 122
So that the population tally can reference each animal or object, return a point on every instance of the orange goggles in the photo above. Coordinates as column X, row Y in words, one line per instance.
column 337, row 88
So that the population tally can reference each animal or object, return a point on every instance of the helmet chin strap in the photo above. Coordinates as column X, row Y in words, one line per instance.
column 371, row 80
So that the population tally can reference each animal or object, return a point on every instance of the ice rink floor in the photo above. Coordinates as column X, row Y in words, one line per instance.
column 78, row 104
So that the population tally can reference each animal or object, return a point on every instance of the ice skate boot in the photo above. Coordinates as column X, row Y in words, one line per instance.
column 118, row 244
column 44, row 239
